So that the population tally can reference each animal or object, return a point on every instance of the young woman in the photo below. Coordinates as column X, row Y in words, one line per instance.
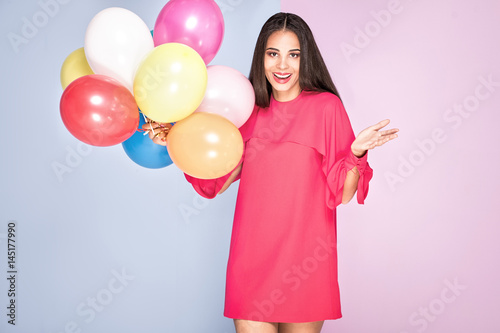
column 301, row 160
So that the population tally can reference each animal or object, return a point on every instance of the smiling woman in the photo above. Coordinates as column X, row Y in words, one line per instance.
column 291, row 29
column 301, row 161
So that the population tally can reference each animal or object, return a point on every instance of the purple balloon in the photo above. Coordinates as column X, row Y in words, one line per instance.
column 198, row 24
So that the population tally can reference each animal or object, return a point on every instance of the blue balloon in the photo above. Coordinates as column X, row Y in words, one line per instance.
column 143, row 151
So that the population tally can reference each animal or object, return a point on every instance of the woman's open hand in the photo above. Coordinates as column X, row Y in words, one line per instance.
column 372, row 137
column 157, row 131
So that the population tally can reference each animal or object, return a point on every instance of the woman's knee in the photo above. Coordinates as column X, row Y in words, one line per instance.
column 250, row 326
column 312, row 327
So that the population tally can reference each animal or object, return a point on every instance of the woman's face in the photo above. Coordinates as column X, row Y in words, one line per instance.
column 282, row 65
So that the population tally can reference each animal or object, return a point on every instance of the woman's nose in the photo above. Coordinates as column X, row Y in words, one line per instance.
column 282, row 63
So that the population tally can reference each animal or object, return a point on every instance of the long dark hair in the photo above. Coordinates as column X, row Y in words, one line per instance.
column 313, row 71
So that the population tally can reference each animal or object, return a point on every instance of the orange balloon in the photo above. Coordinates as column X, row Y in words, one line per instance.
column 205, row 145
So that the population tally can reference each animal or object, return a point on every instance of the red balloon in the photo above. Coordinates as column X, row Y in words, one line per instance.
column 98, row 110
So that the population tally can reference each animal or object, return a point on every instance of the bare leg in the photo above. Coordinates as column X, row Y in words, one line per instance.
column 313, row 327
column 249, row 326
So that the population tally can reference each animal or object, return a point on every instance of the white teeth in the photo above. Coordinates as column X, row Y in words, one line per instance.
column 282, row 76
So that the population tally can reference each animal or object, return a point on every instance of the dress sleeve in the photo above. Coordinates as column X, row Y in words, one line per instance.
column 338, row 158
column 208, row 188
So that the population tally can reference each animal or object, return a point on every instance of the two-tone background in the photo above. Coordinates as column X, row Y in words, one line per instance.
column 104, row 245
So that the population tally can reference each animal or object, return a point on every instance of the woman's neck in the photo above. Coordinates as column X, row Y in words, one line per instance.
column 286, row 96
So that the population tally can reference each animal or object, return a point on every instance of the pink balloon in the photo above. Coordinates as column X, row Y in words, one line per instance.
column 229, row 94
column 195, row 23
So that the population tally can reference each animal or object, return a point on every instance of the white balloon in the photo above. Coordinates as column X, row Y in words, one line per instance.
column 228, row 94
column 116, row 42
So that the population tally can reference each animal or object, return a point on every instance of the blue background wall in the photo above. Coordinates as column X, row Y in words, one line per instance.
column 106, row 216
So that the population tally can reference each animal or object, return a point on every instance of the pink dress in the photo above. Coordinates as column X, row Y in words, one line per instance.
column 282, row 263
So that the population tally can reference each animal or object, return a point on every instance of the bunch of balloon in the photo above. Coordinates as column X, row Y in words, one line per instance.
column 124, row 67
column 97, row 105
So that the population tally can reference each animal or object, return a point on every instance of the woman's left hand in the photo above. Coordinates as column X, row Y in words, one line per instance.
column 157, row 131
column 372, row 137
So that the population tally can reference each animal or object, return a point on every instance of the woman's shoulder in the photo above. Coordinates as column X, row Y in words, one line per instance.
column 324, row 102
column 321, row 97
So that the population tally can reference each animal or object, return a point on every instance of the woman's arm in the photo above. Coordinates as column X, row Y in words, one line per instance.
column 350, row 185
column 369, row 138
column 231, row 178
column 207, row 188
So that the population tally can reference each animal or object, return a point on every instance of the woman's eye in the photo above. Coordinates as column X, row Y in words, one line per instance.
column 273, row 54
column 294, row 55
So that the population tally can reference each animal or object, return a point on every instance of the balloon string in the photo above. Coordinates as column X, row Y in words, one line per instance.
column 146, row 120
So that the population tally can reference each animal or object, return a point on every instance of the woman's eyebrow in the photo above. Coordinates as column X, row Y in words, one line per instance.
column 275, row 49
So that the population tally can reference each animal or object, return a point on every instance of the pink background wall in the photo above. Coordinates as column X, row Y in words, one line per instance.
column 422, row 254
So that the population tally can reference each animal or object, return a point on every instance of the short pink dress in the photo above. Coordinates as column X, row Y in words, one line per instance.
column 282, row 263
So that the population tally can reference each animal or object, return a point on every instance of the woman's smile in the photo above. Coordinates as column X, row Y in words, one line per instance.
column 282, row 78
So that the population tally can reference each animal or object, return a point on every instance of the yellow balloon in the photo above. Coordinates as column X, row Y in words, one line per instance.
column 170, row 83
column 74, row 66
column 205, row 145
